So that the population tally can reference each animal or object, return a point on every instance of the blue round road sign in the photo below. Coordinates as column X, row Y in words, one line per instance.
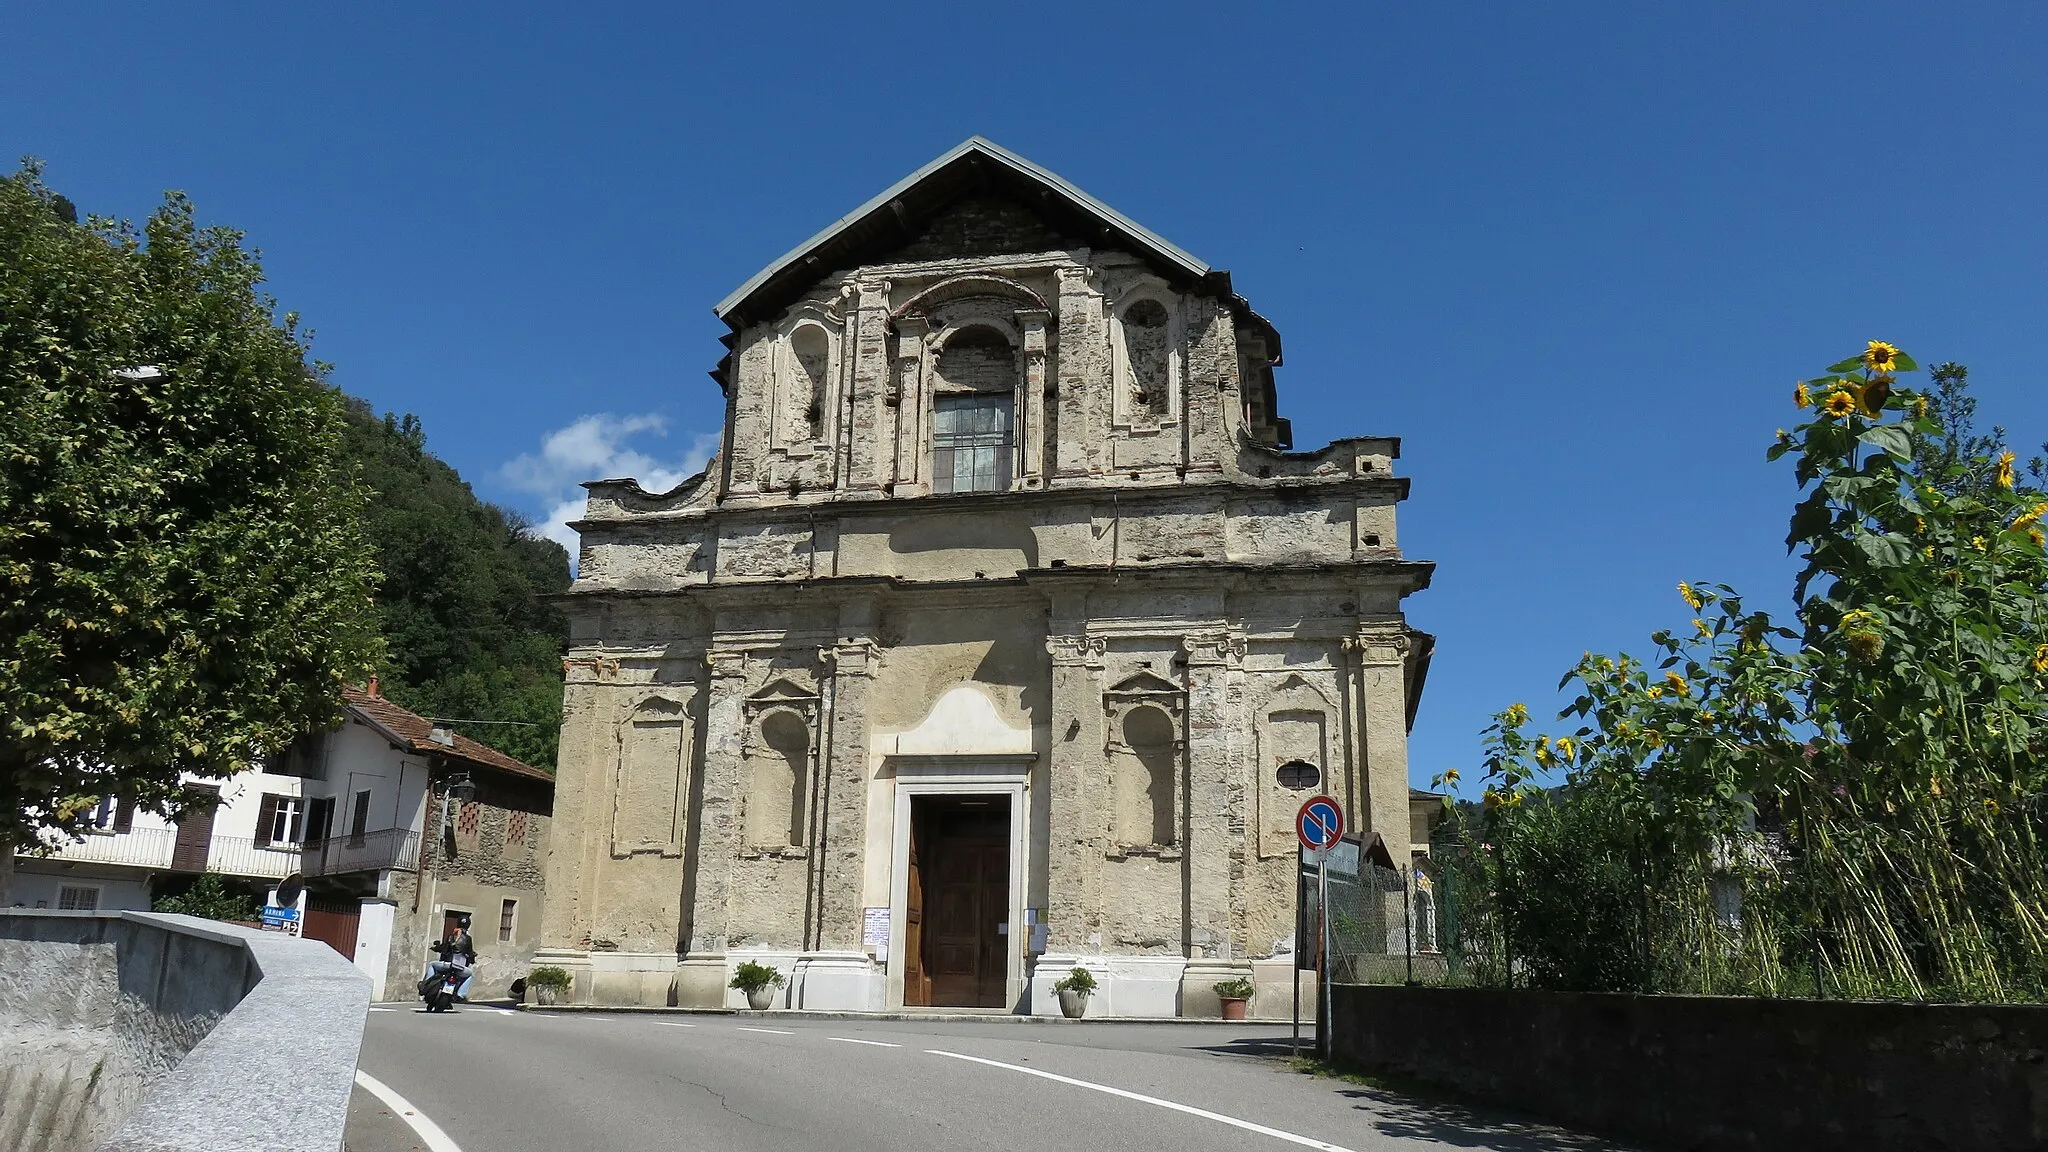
column 1320, row 823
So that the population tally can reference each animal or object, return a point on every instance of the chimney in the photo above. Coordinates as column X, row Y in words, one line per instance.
column 371, row 688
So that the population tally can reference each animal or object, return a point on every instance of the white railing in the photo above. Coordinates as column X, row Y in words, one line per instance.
column 157, row 848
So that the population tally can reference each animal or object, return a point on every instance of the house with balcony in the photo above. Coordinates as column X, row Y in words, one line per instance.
column 397, row 825
column 409, row 826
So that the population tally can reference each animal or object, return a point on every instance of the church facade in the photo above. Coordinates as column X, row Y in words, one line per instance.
column 1005, row 633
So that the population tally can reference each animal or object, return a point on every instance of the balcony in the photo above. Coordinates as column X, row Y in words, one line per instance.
column 397, row 848
column 157, row 849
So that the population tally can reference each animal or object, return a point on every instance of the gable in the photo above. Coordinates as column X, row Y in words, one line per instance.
column 982, row 225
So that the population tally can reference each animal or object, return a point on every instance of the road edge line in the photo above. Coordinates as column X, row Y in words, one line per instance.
column 1247, row 1125
column 429, row 1132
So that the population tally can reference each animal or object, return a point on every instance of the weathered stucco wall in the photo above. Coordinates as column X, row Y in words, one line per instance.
column 1720, row 1072
column 1162, row 604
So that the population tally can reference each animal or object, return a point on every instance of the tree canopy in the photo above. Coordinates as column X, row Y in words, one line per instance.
column 468, row 631
column 184, row 580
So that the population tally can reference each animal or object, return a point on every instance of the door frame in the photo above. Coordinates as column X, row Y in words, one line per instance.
column 960, row 776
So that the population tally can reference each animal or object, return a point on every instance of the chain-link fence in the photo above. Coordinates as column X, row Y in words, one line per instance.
column 1393, row 926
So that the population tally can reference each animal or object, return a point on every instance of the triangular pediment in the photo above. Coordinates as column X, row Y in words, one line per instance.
column 1144, row 683
column 782, row 689
column 978, row 199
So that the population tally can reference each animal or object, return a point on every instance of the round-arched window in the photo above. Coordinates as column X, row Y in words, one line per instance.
column 1298, row 775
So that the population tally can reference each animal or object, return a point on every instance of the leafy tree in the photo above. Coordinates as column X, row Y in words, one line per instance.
column 463, row 608
column 209, row 898
column 1873, row 777
column 184, row 583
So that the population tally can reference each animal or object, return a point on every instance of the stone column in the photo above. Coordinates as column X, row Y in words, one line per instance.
column 906, row 401
column 835, row 973
column 1218, row 827
column 1031, row 453
column 1078, row 786
column 1382, row 650
column 1083, row 377
column 871, row 440
column 700, row 976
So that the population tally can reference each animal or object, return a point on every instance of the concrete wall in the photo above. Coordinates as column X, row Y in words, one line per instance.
column 137, row 1031
column 1721, row 1073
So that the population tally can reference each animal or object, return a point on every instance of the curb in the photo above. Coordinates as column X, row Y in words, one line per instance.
column 915, row 1017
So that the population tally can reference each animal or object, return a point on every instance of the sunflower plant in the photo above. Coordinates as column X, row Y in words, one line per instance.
column 1847, row 800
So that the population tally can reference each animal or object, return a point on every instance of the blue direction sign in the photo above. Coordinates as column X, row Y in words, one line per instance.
column 1320, row 823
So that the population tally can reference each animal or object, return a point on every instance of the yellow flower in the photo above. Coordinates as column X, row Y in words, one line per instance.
column 1919, row 523
column 1701, row 625
column 1880, row 356
column 1928, row 551
column 2032, row 515
column 2034, row 534
column 2004, row 476
column 1839, row 403
column 1784, row 437
column 1653, row 738
column 1656, row 691
column 1566, row 748
column 1977, row 542
column 1919, row 407
column 1801, row 397
column 2041, row 660
column 1543, row 755
column 1676, row 682
column 1691, row 597
column 1451, row 774
column 1990, row 806
column 1934, row 786
column 1517, row 715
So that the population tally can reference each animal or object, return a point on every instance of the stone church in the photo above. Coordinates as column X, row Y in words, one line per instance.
column 1006, row 633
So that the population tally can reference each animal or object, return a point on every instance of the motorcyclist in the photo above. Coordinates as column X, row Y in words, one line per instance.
column 458, row 954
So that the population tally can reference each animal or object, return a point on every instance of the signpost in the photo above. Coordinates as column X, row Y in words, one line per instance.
column 1320, row 825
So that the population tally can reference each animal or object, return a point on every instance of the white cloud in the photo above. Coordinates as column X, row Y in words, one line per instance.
column 596, row 448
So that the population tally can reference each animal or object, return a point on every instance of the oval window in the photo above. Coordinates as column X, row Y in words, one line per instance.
column 1299, row 775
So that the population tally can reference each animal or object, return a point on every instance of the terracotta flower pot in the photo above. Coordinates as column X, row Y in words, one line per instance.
column 1233, row 1008
column 762, row 998
column 1073, row 1002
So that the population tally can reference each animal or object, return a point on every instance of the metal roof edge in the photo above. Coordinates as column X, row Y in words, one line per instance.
column 999, row 154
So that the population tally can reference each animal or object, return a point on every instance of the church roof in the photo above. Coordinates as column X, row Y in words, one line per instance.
column 973, row 166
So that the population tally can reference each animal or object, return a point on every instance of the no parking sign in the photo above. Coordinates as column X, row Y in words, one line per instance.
column 1320, row 824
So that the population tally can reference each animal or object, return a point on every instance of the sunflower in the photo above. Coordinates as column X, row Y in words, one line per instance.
column 1676, row 682
column 2004, row 476
column 1839, row 403
column 1875, row 393
column 1691, row 597
column 1516, row 715
column 2034, row 534
column 1919, row 407
column 2031, row 516
column 1653, row 738
column 1565, row 748
column 2041, row 660
column 1990, row 806
column 1880, row 356
column 1801, row 397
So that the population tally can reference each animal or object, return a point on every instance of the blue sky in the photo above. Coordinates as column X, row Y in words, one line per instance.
column 1575, row 255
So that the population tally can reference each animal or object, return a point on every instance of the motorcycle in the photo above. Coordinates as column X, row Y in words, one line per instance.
column 439, row 990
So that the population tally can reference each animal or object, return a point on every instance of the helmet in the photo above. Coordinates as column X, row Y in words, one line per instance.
column 462, row 922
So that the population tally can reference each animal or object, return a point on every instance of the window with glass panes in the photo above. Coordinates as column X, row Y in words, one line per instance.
column 971, row 443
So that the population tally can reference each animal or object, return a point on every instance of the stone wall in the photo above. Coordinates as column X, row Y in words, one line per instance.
column 1720, row 1073
column 124, row 1031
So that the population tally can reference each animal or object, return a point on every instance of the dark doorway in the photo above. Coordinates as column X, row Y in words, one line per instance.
column 956, row 949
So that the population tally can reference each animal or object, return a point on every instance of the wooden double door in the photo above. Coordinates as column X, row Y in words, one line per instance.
column 956, row 931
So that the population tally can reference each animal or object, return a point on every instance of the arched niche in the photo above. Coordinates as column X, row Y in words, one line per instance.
column 779, row 754
column 653, row 749
column 1145, row 348
column 1146, row 718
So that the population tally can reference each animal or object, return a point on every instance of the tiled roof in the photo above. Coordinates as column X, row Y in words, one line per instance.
column 412, row 729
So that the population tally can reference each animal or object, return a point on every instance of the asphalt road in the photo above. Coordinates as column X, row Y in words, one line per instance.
column 499, row 1081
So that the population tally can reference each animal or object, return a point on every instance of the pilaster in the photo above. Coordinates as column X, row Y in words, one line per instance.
column 842, row 846
column 1077, row 828
column 1217, row 802
column 907, row 400
column 1031, row 453
column 718, row 820
column 1083, row 377
column 1381, row 649
column 870, row 448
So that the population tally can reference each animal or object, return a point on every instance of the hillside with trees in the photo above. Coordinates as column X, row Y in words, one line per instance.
column 469, row 635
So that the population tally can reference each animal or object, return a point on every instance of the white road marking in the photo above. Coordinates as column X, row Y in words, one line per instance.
column 674, row 1024
column 1261, row 1129
column 429, row 1132
column 769, row 1031
column 875, row 1043
column 383, row 1009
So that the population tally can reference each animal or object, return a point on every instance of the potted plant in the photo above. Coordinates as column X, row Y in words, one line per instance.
column 758, row 981
column 1235, row 994
column 1074, row 992
column 548, row 983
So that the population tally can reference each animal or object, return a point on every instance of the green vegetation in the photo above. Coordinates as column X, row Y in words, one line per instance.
column 750, row 977
column 1853, row 805
column 211, row 898
column 1238, row 989
column 467, row 632
column 184, row 583
column 1079, row 980
column 549, row 976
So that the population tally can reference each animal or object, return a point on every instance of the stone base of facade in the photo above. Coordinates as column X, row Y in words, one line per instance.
column 841, row 981
column 1197, row 985
column 620, row 979
column 1142, row 986
column 1273, row 991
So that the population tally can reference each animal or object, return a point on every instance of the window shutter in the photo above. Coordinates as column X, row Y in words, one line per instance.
column 298, row 828
column 265, row 817
column 124, row 815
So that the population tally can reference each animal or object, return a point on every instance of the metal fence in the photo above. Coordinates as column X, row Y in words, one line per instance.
column 1395, row 926
column 368, row 852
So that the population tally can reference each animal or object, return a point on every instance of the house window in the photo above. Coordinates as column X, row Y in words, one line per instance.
column 359, row 820
column 505, row 915
column 114, row 814
column 78, row 899
column 971, row 443
column 280, row 820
